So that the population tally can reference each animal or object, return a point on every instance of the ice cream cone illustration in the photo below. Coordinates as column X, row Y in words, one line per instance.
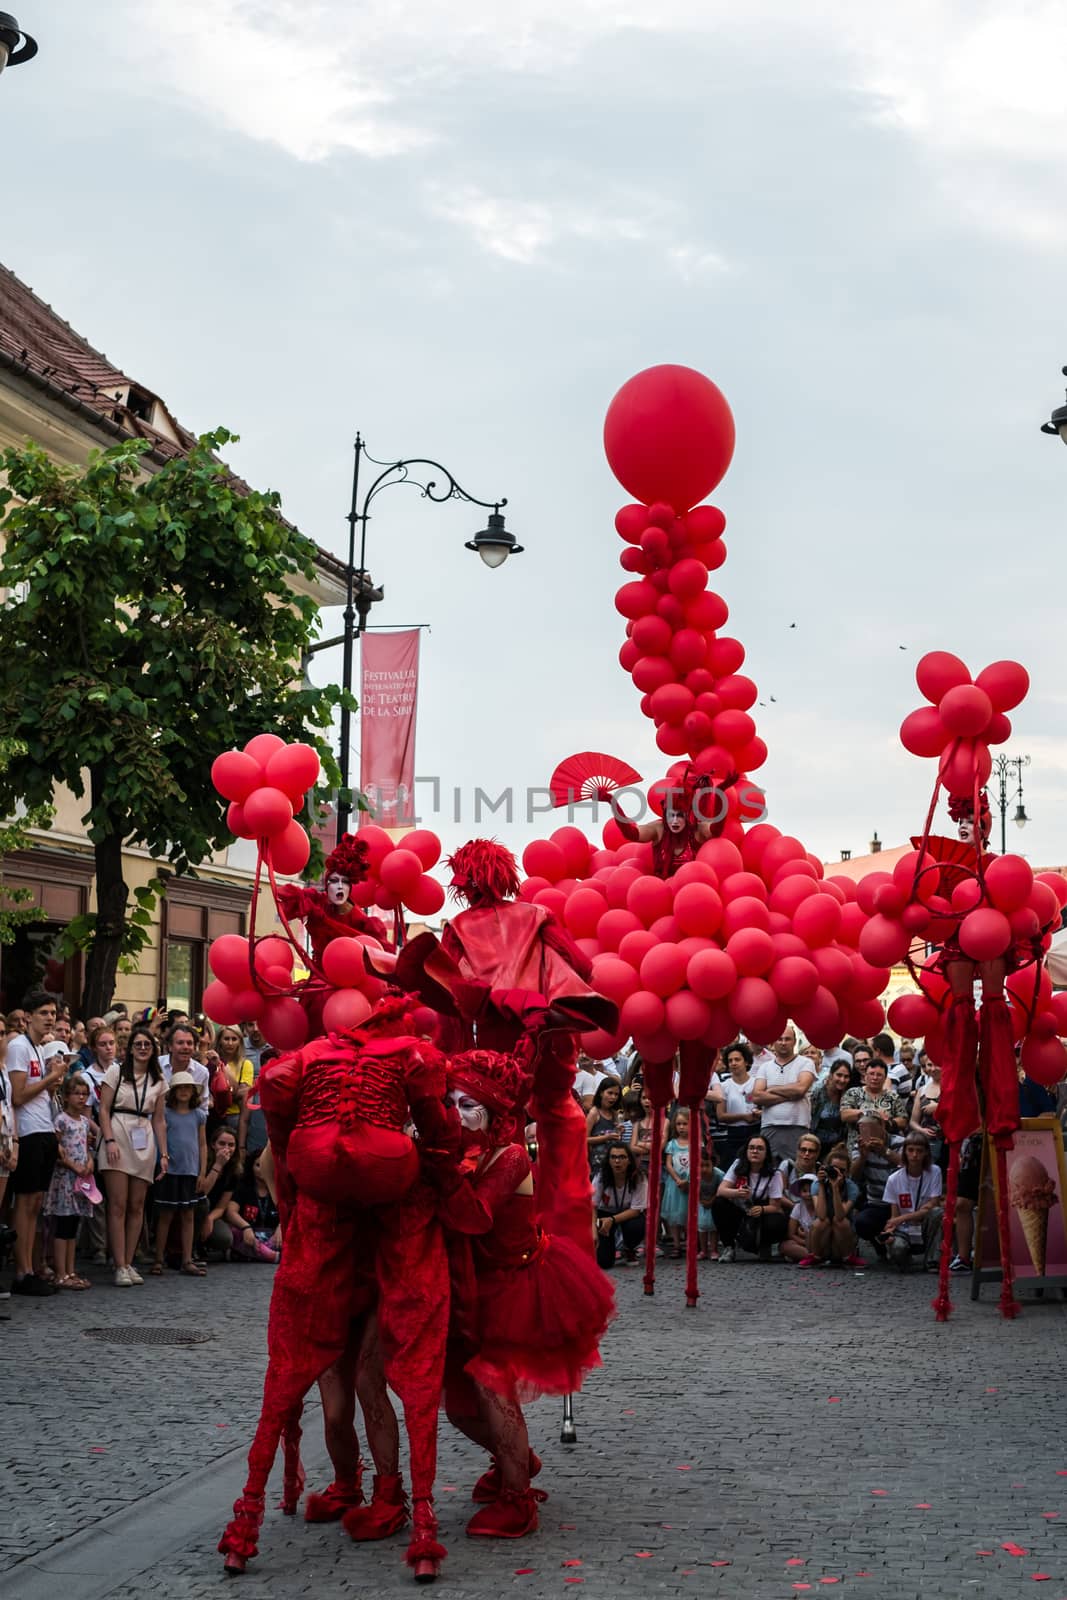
column 1033, row 1194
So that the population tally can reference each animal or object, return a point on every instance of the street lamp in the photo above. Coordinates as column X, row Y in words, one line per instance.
column 1002, row 767
column 1057, row 422
column 493, row 544
column 15, row 46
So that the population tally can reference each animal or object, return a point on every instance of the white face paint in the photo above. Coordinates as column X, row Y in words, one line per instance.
column 337, row 889
column 472, row 1114
column 675, row 821
column 966, row 830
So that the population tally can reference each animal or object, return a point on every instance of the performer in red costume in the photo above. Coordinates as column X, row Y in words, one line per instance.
column 529, row 1303
column 690, row 818
column 359, row 1222
column 331, row 914
column 979, row 1078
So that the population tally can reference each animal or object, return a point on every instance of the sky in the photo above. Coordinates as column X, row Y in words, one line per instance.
column 459, row 228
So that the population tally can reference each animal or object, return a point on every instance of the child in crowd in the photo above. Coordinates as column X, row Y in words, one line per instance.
column 797, row 1245
column 675, row 1201
column 175, row 1193
column 67, row 1203
column 255, row 1203
column 710, row 1178
column 218, row 1185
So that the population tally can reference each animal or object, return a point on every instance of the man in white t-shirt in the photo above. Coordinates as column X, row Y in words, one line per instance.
column 182, row 1046
column 34, row 1080
column 782, row 1092
column 914, row 1192
column 587, row 1080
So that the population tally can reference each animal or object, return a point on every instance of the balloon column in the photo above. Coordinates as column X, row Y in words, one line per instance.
column 982, row 918
column 266, row 785
column 749, row 933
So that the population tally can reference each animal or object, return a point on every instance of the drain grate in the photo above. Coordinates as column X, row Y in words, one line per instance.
column 133, row 1335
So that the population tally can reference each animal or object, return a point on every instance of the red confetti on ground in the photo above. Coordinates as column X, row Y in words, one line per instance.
column 921, row 1505
column 97, row 1450
column 448, row 1488
column 1050, row 1514
column 524, row 1572
column 683, row 1469
column 985, row 1552
column 796, row 1561
column 1018, row 1486
column 862, row 1574
column 574, row 1580
column 222, row 1424
column 575, row 1561
column 1061, row 1472
column 687, row 1572
column 829, row 1580
column 1014, row 1549
column 667, row 1525
column 802, row 1586
column 629, row 1413
column 834, row 1400
column 879, row 1491
column 991, row 1391
column 568, row 1527
column 1040, row 1577
column 643, row 1555
column 718, row 1563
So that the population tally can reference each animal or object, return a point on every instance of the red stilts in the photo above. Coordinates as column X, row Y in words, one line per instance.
column 659, row 1081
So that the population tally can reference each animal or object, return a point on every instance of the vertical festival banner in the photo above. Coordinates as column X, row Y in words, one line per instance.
column 389, row 688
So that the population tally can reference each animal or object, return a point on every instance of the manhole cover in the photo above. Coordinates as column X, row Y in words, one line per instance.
column 147, row 1335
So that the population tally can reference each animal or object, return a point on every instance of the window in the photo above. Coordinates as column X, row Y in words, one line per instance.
column 183, row 980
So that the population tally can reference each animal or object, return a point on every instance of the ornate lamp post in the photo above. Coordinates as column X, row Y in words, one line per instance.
column 493, row 544
column 15, row 46
column 1003, row 768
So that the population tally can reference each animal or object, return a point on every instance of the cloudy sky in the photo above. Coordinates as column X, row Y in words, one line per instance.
column 459, row 227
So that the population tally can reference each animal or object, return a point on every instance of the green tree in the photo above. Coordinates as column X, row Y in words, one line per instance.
column 151, row 623
column 15, row 907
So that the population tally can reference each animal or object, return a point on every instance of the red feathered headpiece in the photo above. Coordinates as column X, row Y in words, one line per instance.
column 350, row 858
column 961, row 809
column 394, row 1014
column 496, row 1081
column 483, row 873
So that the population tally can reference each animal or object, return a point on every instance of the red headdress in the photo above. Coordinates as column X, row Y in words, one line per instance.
column 394, row 1015
column 961, row 809
column 483, row 872
column 350, row 858
column 498, row 1082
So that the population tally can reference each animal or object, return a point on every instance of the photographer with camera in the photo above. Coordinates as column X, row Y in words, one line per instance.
column 832, row 1237
column 871, row 1169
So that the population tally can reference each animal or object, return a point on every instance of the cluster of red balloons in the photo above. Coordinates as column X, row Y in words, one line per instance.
column 400, row 872
column 743, row 938
column 964, row 717
column 266, row 784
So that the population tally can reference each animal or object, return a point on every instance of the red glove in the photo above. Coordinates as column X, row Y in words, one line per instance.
column 629, row 830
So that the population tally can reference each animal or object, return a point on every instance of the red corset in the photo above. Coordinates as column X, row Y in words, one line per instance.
column 515, row 1238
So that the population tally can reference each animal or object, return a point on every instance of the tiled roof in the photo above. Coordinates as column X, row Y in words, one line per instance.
column 859, row 866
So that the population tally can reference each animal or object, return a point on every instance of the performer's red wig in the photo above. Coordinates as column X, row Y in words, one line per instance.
column 961, row 809
column 498, row 1082
column 484, row 873
column 350, row 858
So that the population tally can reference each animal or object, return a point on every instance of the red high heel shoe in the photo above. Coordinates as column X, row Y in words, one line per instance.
column 386, row 1514
column 424, row 1553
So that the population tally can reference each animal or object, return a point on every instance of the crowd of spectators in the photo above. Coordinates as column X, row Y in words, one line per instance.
column 811, row 1156
column 130, row 1143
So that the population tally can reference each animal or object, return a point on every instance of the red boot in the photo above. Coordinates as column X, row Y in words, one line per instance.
column 511, row 1516
column 425, row 1553
column 333, row 1502
column 488, row 1487
column 386, row 1514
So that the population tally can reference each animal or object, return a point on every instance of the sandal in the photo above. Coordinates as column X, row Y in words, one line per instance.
column 191, row 1270
column 156, row 1269
column 71, row 1281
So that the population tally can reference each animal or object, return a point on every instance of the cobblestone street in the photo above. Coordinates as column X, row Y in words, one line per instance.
column 799, row 1430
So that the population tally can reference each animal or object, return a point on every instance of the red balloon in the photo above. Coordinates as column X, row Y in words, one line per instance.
column 669, row 435
column 637, row 599
column 583, row 911
column 652, row 673
column 751, row 951
column 884, row 942
column 1044, row 1060
column 688, row 1017
column 271, row 952
column 693, row 872
column 853, row 917
column 426, row 898
column 1042, row 899
column 268, row 812
column 1009, row 881
column 794, row 980
column 613, row 926
column 832, row 964
column 820, row 1018
column 634, row 947
column 745, row 911
column 999, row 729
column 663, row 970
column 294, row 770
column 865, row 1018
column 342, row 962
column 378, row 843
column 711, row 974
column 734, row 729
column 633, row 560
column 737, row 693
column 274, row 978
column 235, row 821
column 869, row 887
column 652, row 636
column 965, row 711
column 284, row 1024
column 1005, row 682
column 631, row 522
column 890, row 901
column 721, row 856
column 670, row 609
column 425, row 844
column 688, row 649
column 629, row 655
column 642, row 1012
column 817, row 919
column 726, row 656
column 688, row 578
column 753, row 1005
column 576, row 849
column 400, row 871
column 672, row 740
column 347, row 1008
column 262, row 747
column 923, row 733
column 698, row 910
column 655, row 542
column 913, row 1015
column 235, row 775
column 230, row 959
column 777, row 852
column 290, row 850
column 543, row 859
column 614, row 978
column 1057, row 883
column 707, row 612
column 617, row 884
column 219, row 1002
column 937, row 673
column 649, row 898
column 671, row 703
column 868, row 980
column 705, row 524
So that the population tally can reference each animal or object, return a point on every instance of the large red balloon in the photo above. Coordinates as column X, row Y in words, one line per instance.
column 235, row 775
column 229, row 958
column 290, row 850
column 220, row 1002
column 794, row 980
column 268, row 812
column 1008, row 881
column 922, row 732
column 1005, row 682
column 663, row 969
column 938, row 672
column 284, row 1024
column 669, row 435
column 642, row 1013
column 1044, row 1060
column 753, row 1005
column 913, row 1015
column 614, row 978
column 965, row 711
column 272, row 952
column 342, row 962
column 698, row 910
column 426, row 845
column 649, row 898
column 543, row 859
column 751, row 951
column 294, row 770
column 426, row 898
column 711, row 974
column 345, row 1009
column 400, row 871
column 262, row 747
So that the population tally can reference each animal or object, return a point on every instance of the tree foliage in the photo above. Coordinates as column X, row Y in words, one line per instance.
column 151, row 623
column 16, row 909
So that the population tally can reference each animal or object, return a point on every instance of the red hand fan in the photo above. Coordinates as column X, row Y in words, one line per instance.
column 589, row 775
column 955, row 859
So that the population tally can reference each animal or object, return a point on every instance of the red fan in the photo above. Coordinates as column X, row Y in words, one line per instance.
column 955, row 859
column 589, row 775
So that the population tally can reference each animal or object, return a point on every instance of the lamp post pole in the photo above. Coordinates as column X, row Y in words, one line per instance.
column 493, row 544
column 1003, row 767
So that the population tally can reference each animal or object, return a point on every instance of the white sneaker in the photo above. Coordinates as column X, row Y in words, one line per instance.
column 729, row 1254
column 123, row 1279
column 135, row 1276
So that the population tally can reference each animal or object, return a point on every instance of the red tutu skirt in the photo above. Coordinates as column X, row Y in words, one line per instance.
column 540, row 1323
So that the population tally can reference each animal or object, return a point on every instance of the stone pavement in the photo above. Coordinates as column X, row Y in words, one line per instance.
column 799, row 1430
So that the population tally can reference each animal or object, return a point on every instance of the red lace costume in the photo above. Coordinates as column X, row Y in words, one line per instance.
column 360, row 1222
column 529, row 1303
column 325, row 920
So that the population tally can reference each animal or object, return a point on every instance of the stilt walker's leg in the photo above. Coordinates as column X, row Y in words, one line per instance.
column 1000, row 1094
column 692, row 1293
column 658, row 1082
column 942, row 1303
column 959, row 1111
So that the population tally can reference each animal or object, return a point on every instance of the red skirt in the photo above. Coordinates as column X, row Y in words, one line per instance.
column 540, row 1323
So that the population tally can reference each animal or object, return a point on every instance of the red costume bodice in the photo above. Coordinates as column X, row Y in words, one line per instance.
column 673, row 850
column 324, row 921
